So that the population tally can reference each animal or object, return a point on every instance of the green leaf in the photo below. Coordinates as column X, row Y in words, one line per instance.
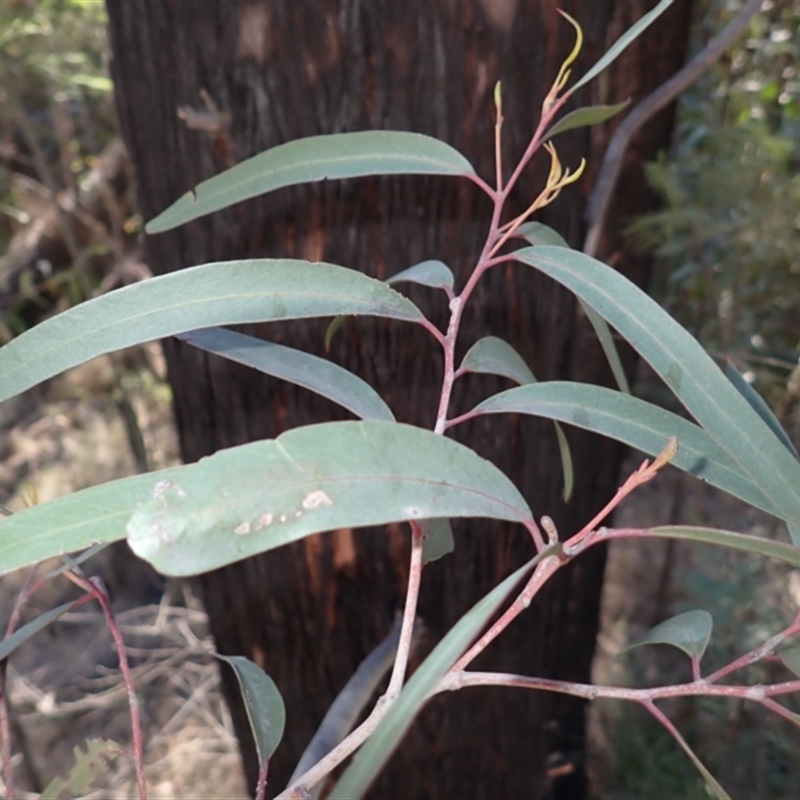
column 87, row 767
column 437, row 539
column 687, row 369
column 336, row 323
column 493, row 356
column 791, row 658
column 265, row 709
column 689, row 632
column 262, row 495
column 787, row 553
column 636, row 423
column 583, row 117
column 622, row 43
column 310, row 372
column 538, row 233
column 379, row 747
column 316, row 158
column 79, row 520
column 759, row 406
column 435, row 274
column 225, row 293
column 794, row 533
column 21, row 635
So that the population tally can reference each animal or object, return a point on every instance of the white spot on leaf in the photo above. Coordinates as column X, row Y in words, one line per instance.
column 161, row 487
column 242, row 529
column 317, row 499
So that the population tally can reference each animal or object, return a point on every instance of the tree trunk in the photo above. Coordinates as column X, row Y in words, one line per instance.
column 283, row 69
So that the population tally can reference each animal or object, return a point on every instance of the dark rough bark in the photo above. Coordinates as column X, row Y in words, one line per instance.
column 289, row 68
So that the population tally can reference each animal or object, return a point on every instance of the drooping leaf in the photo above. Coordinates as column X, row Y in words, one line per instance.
column 22, row 634
column 759, row 406
column 315, row 158
column 263, row 702
column 74, row 522
column 791, row 658
column 262, row 495
column 609, row 346
column 336, row 323
column 226, row 293
column 303, row 369
column 437, row 539
column 583, row 117
column 538, row 233
column 435, row 274
column 636, row 423
column 622, row 43
column 493, row 356
column 787, row 553
column 689, row 632
column 379, row 747
column 686, row 368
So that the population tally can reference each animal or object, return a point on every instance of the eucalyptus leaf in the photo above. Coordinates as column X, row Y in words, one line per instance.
column 583, row 117
column 433, row 273
column 315, row 158
column 303, row 369
column 686, row 368
column 263, row 702
column 689, row 631
column 539, row 233
column 223, row 293
column 636, row 423
column 622, row 43
column 262, row 495
column 791, row 658
column 22, row 634
column 379, row 747
column 794, row 533
column 759, row 406
column 437, row 539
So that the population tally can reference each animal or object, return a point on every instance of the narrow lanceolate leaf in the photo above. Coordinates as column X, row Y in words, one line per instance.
column 583, row 117
column 74, row 522
column 226, row 293
column 435, row 274
column 686, row 368
column 437, row 539
column 759, row 406
column 303, row 369
column 538, row 233
column 21, row 635
column 493, row 356
column 689, row 632
column 379, row 747
column 262, row 495
column 316, row 158
column 634, row 422
column 622, row 43
column 787, row 553
column 263, row 702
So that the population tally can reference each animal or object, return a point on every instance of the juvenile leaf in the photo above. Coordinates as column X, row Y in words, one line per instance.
column 224, row 293
column 493, row 356
column 262, row 495
column 316, row 158
column 584, row 117
column 622, row 43
column 74, row 522
column 437, row 539
column 689, row 632
column 303, row 369
column 22, row 634
column 379, row 747
column 263, row 702
column 636, row 423
column 759, row 406
column 787, row 553
column 435, row 274
column 496, row 357
column 686, row 368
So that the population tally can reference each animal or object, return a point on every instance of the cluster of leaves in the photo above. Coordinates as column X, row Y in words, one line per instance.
column 259, row 496
column 729, row 235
